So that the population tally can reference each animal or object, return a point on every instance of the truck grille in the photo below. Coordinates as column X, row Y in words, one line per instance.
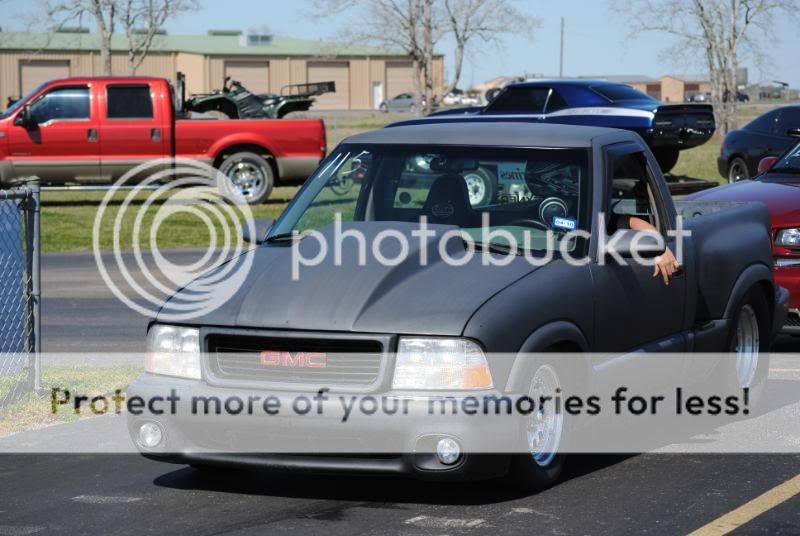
column 309, row 361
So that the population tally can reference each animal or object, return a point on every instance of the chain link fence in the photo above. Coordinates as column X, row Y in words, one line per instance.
column 19, row 292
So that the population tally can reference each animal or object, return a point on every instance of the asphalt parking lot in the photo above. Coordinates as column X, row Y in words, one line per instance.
column 652, row 494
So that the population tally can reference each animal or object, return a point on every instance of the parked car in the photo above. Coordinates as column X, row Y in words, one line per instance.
column 777, row 185
column 385, row 315
column 404, row 102
column 770, row 134
column 704, row 96
column 667, row 128
column 97, row 129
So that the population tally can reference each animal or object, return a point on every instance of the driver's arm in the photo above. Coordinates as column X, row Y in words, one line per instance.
column 666, row 264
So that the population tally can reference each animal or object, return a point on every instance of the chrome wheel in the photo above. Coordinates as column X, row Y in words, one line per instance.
column 747, row 346
column 476, row 186
column 248, row 178
column 545, row 426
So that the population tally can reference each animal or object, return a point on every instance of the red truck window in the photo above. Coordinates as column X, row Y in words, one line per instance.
column 68, row 103
column 129, row 101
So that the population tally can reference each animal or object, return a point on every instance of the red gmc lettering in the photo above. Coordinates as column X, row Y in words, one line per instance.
column 274, row 358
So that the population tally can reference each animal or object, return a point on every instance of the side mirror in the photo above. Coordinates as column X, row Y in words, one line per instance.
column 24, row 117
column 629, row 243
column 793, row 132
column 766, row 164
column 261, row 227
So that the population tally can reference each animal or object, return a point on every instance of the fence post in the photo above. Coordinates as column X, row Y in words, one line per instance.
column 34, row 256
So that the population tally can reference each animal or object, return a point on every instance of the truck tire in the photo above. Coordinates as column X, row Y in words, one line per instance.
column 544, row 434
column 666, row 158
column 481, row 186
column 748, row 340
column 737, row 170
column 249, row 174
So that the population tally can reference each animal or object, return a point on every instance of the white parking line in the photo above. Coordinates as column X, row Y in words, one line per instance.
column 444, row 523
column 101, row 499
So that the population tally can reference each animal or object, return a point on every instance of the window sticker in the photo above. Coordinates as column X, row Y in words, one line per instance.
column 511, row 172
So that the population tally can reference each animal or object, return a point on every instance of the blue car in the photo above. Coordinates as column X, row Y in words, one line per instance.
column 666, row 128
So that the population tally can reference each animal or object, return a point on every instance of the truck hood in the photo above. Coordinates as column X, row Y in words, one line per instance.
column 782, row 198
column 370, row 297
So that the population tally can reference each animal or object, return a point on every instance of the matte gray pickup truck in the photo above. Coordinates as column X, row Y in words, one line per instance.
column 281, row 335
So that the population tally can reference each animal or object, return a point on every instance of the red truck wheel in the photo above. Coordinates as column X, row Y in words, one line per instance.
column 250, row 174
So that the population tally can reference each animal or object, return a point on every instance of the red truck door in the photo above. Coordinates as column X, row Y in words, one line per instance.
column 60, row 140
column 135, row 125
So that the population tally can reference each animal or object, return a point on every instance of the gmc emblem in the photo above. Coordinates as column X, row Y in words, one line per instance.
column 274, row 358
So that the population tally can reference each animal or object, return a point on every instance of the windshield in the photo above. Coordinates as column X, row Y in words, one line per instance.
column 522, row 191
column 788, row 164
column 621, row 93
column 14, row 107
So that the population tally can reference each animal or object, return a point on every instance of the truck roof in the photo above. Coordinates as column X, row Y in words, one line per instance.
column 113, row 79
column 492, row 134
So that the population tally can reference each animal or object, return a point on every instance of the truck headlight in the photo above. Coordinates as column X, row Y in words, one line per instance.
column 440, row 364
column 173, row 351
column 788, row 237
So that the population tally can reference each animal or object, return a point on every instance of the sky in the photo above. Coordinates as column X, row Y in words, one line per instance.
column 596, row 41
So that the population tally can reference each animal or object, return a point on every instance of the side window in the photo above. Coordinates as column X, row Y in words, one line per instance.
column 520, row 100
column 62, row 103
column 129, row 102
column 555, row 102
column 763, row 124
column 631, row 195
column 789, row 118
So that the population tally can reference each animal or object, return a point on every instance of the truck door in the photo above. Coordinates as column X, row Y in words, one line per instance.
column 633, row 309
column 134, row 126
column 60, row 140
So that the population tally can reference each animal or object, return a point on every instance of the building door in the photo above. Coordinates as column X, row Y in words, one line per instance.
column 254, row 75
column 35, row 72
column 377, row 94
column 399, row 78
column 338, row 72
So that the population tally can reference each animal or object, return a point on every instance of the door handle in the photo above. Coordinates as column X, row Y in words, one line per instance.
column 91, row 134
column 155, row 134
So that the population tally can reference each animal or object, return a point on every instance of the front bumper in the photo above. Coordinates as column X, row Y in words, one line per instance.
column 405, row 444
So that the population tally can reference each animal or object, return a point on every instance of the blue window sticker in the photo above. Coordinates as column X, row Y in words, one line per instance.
column 567, row 224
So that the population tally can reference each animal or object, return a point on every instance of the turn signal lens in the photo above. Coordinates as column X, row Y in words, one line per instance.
column 440, row 364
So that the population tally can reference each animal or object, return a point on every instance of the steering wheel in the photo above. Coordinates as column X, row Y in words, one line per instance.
column 530, row 222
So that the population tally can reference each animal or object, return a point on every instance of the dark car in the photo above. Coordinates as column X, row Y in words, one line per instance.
column 456, row 326
column 770, row 134
column 667, row 128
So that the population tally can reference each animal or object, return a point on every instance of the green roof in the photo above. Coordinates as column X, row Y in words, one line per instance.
column 228, row 45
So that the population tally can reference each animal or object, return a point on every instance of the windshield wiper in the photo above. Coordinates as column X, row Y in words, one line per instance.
column 494, row 248
column 282, row 237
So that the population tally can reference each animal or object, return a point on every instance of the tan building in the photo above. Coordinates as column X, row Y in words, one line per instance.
column 680, row 88
column 263, row 63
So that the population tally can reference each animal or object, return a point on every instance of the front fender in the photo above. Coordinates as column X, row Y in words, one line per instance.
column 549, row 335
column 752, row 275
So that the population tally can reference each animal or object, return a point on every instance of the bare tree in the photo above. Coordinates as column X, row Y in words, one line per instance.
column 60, row 13
column 142, row 20
column 720, row 29
column 483, row 20
column 413, row 26
column 417, row 26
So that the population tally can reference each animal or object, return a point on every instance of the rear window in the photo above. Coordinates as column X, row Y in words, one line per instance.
column 519, row 100
column 620, row 92
column 129, row 102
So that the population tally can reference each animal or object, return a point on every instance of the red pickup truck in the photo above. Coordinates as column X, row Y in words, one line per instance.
column 93, row 130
